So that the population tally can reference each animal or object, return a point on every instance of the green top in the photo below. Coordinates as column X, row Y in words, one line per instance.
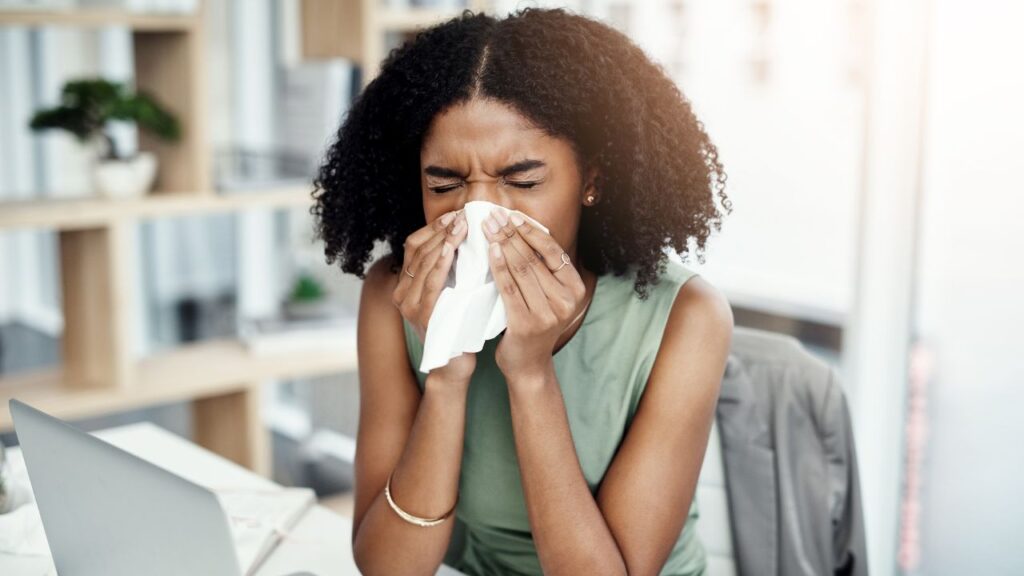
column 602, row 371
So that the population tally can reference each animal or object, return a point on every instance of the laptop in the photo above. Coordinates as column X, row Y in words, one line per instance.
column 108, row 512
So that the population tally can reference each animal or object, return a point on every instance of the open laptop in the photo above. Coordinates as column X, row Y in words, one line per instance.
column 108, row 512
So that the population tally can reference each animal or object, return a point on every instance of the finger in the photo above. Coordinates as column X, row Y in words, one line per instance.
column 432, row 269
column 560, row 298
column 522, row 271
column 417, row 244
column 515, row 306
column 548, row 248
column 437, row 278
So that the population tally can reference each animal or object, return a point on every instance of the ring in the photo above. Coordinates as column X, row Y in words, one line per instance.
column 565, row 260
column 510, row 234
column 409, row 273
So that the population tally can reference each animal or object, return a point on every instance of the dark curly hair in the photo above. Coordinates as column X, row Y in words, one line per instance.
column 575, row 78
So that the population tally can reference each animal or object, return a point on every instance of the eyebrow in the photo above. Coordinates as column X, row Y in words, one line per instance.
column 521, row 166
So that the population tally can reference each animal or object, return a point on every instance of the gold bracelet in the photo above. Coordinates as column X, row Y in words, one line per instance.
column 426, row 522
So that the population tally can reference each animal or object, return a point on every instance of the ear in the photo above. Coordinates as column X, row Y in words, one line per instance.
column 588, row 183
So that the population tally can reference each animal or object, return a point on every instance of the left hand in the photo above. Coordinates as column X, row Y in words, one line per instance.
column 540, row 304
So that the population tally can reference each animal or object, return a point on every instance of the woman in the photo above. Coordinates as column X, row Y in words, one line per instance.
column 572, row 442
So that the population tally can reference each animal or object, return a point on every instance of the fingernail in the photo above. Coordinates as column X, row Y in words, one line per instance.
column 447, row 218
column 496, row 250
column 501, row 217
column 446, row 249
column 458, row 226
column 491, row 225
column 515, row 218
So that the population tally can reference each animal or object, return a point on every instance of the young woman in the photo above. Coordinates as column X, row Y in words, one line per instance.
column 572, row 442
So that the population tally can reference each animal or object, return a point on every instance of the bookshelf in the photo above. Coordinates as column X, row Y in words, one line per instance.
column 98, row 374
column 220, row 378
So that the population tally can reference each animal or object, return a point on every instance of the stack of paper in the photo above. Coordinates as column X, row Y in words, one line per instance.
column 260, row 518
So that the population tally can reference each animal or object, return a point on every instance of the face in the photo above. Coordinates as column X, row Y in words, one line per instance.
column 484, row 150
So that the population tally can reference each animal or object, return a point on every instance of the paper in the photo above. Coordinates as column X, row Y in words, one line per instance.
column 469, row 310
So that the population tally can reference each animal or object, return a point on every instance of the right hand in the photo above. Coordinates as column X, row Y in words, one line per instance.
column 416, row 296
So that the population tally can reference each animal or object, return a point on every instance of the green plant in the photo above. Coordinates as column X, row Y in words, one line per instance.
column 306, row 289
column 87, row 104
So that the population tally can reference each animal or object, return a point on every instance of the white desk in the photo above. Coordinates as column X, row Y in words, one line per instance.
column 320, row 543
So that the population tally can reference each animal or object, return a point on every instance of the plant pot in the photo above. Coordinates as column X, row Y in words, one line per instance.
column 129, row 178
column 309, row 309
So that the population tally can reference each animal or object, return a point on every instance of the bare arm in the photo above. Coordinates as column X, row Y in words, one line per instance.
column 642, row 503
column 418, row 435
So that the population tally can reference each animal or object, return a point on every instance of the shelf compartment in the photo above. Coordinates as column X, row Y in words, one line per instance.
column 206, row 369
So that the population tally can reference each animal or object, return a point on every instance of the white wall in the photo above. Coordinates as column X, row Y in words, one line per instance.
column 970, row 311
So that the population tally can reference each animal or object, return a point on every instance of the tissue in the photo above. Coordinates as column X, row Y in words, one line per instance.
column 469, row 310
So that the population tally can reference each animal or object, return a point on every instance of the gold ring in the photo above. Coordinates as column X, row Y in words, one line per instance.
column 565, row 260
column 409, row 273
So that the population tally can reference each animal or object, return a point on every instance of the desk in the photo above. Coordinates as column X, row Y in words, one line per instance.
column 320, row 542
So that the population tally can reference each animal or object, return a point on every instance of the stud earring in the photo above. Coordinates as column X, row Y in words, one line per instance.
column 590, row 200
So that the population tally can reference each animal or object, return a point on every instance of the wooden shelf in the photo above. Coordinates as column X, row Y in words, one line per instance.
column 193, row 371
column 85, row 213
column 97, row 17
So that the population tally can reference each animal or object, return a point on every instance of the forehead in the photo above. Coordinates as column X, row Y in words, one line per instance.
column 485, row 129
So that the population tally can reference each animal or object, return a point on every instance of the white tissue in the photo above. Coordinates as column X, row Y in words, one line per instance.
column 469, row 310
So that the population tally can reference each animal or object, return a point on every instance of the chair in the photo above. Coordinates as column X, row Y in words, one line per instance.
column 778, row 491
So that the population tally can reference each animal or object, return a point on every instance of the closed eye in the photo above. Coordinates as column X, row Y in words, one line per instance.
column 442, row 189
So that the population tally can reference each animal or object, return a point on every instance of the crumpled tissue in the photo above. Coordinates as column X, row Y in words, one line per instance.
column 469, row 309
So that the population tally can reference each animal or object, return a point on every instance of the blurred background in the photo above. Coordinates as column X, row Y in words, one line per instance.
column 872, row 148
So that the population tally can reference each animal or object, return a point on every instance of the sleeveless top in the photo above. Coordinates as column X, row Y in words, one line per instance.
column 602, row 372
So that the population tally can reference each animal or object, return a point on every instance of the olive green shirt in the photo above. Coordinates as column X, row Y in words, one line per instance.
column 602, row 371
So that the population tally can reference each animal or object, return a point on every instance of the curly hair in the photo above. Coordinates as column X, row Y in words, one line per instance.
column 574, row 77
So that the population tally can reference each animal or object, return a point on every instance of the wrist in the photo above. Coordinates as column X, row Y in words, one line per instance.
column 440, row 383
column 533, row 376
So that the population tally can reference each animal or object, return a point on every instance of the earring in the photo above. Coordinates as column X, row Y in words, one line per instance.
column 590, row 200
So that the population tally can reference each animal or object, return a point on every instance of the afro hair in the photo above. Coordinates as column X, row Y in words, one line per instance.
column 576, row 78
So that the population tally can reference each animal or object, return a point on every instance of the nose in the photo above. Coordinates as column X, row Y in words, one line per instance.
column 487, row 189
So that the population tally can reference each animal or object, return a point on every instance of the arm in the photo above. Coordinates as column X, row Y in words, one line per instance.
column 644, row 498
column 418, row 435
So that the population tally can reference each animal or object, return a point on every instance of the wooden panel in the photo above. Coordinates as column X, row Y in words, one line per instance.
column 169, row 66
column 332, row 29
column 96, row 303
column 193, row 370
column 231, row 426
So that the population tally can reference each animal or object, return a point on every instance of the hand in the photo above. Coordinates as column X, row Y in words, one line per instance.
column 429, row 253
column 540, row 304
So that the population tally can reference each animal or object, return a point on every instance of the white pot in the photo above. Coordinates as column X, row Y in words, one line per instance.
column 130, row 178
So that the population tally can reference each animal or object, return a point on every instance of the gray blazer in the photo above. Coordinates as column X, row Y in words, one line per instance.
column 790, row 463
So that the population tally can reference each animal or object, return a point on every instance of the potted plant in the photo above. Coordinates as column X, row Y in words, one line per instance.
column 307, row 299
column 86, row 106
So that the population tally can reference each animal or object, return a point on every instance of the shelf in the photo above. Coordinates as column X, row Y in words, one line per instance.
column 85, row 213
column 192, row 371
column 98, row 17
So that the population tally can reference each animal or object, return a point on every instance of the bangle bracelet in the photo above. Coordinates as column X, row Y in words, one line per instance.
column 426, row 522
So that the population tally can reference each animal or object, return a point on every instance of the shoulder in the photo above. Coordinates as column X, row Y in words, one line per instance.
column 698, row 302
column 380, row 280
column 698, row 333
